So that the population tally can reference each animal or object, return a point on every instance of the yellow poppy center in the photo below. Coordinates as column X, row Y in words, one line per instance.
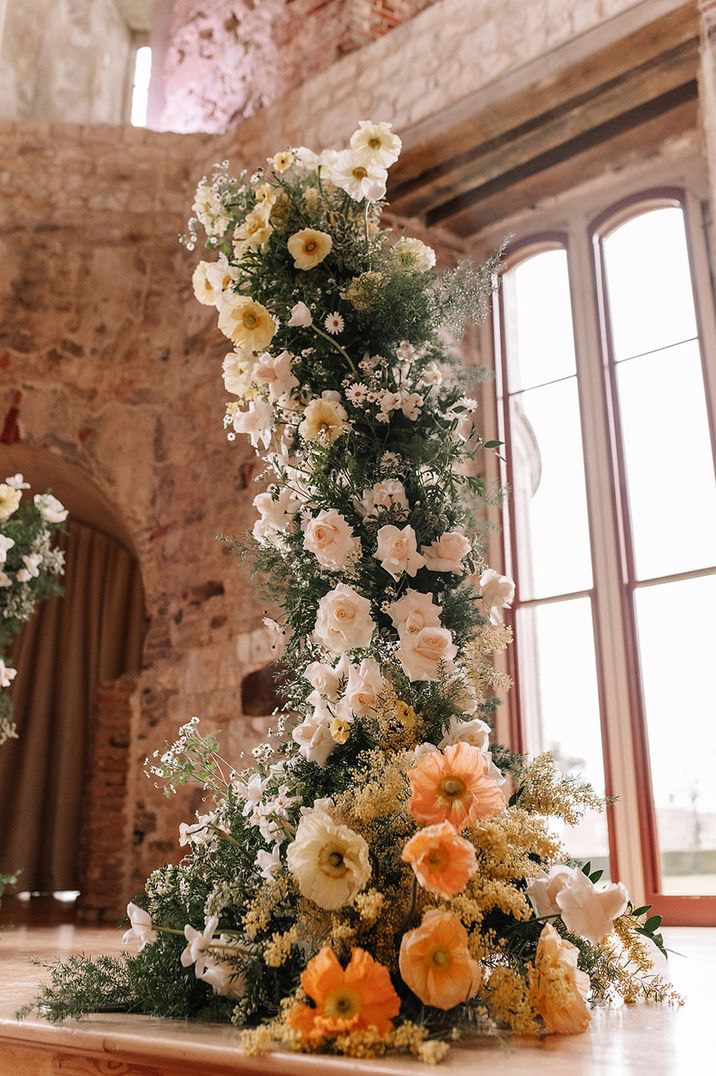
column 310, row 246
column 374, row 142
column 360, row 172
column 249, row 319
column 452, row 787
column 440, row 957
column 342, row 1003
column 331, row 862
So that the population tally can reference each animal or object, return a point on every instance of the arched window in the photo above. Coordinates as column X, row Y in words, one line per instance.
column 607, row 410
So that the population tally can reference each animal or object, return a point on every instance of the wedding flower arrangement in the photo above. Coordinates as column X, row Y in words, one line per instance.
column 29, row 571
column 383, row 877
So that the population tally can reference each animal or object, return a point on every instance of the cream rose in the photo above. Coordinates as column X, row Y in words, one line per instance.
column 446, row 554
column 422, row 654
column 343, row 621
column 330, row 538
column 475, row 732
column 363, row 690
column 413, row 612
column 398, row 551
column 309, row 247
column 326, row 679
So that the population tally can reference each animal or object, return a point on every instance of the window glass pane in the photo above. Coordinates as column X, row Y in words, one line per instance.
column 667, row 452
column 140, row 86
column 648, row 276
column 538, row 320
column 560, row 705
column 677, row 637
column 548, row 494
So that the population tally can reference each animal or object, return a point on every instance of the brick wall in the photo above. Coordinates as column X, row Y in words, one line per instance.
column 226, row 59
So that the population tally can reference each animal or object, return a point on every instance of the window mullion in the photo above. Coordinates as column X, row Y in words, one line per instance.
column 608, row 610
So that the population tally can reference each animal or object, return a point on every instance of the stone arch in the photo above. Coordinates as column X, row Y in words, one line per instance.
column 112, row 712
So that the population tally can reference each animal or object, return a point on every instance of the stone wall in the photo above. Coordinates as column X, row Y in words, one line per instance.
column 65, row 60
column 117, row 370
column 226, row 59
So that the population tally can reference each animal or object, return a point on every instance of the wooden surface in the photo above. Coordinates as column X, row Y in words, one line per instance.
column 643, row 1040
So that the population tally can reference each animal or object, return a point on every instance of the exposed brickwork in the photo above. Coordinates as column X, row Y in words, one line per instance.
column 226, row 59
column 103, row 858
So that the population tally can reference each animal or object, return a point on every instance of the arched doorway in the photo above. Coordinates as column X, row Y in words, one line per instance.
column 66, row 657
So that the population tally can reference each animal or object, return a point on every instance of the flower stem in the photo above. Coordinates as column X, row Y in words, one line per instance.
column 337, row 346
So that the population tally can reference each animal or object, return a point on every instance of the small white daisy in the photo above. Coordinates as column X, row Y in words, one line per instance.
column 357, row 393
column 334, row 323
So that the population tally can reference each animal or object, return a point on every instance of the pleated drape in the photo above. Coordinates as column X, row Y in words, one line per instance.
column 93, row 633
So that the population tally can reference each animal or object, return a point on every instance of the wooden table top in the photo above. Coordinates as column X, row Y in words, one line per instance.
column 642, row 1040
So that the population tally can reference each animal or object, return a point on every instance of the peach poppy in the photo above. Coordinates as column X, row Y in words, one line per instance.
column 454, row 785
column 442, row 860
column 558, row 987
column 359, row 997
column 435, row 961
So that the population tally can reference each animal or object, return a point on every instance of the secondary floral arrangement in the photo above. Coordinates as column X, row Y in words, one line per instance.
column 29, row 570
column 383, row 877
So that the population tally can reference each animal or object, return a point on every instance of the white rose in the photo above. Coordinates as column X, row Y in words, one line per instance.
column 497, row 592
column 447, row 553
column 475, row 732
column 363, row 690
column 414, row 611
column 313, row 736
column 422, row 654
column 300, row 316
column 585, row 910
column 9, row 501
column 398, row 551
column 329, row 861
column 381, row 497
column 343, row 620
column 51, row 510
column 330, row 538
column 414, row 253
column 274, row 371
column 257, row 422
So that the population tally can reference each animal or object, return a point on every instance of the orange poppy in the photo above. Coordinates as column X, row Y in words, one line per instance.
column 435, row 961
column 361, row 996
column 454, row 785
column 443, row 861
column 559, row 988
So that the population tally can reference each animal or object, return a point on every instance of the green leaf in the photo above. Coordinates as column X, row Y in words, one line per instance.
column 596, row 876
column 492, row 444
column 653, row 923
column 587, row 867
column 640, row 911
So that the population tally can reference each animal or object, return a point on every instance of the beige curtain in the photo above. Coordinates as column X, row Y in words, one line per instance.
column 93, row 633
